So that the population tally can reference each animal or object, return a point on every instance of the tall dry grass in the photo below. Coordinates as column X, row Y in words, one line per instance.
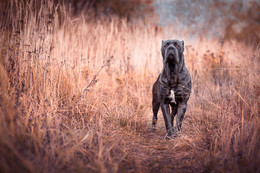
column 75, row 95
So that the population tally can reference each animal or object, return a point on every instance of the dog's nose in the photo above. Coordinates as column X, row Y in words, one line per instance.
column 170, row 48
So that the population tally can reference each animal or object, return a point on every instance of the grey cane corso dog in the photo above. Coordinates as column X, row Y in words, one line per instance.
column 172, row 88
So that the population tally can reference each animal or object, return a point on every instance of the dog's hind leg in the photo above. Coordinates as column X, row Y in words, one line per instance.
column 156, row 101
column 156, row 106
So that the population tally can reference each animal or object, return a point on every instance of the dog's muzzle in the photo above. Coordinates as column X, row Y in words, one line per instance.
column 172, row 59
column 172, row 55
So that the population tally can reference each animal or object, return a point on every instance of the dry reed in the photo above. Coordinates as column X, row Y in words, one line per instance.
column 75, row 95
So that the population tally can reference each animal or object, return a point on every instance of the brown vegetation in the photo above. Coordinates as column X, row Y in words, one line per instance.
column 122, row 8
column 76, row 97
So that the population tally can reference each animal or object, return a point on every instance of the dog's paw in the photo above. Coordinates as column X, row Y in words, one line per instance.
column 153, row 129
column 170, row 134
column 176, row 132
column 154, row 122
column 167, row 137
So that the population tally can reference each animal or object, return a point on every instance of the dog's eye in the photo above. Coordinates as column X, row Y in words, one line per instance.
column 166, row 45
column 177, row 45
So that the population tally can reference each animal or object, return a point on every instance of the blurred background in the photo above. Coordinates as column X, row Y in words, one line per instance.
column 76, row 78
column 221, row 19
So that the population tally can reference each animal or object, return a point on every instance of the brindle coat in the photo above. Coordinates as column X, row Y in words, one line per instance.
column 172, row 88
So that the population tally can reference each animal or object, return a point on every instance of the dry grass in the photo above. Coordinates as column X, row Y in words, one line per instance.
column 75, row 95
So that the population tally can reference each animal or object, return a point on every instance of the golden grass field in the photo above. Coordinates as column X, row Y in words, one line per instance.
column 75, row 96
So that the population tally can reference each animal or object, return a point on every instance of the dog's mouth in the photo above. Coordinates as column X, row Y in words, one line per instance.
column 172, row 63
column 171, row 59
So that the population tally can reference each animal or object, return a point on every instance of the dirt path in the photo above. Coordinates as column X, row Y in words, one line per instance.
column 152, row 153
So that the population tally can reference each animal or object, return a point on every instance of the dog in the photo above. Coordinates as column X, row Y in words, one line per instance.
column 172, row 87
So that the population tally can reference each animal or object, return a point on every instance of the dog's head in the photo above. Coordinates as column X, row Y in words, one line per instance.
column 173, row 59
column 172, row 51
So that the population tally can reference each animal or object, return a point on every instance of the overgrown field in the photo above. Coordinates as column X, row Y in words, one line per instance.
column 75, row 96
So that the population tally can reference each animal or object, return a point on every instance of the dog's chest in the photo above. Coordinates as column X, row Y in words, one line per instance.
column 171, row 96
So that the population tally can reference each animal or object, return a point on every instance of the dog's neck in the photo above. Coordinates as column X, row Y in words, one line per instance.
column 170, row 77
column 170, row 73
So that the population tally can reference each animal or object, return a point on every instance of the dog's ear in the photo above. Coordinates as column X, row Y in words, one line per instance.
column 162, row 50
column 182, row 42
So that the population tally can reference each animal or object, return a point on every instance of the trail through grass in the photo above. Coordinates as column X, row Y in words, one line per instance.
column 75, row 96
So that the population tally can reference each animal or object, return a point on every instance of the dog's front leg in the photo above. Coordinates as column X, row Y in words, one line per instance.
column 167, row 119
column 174, row 112
column 180, row 115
